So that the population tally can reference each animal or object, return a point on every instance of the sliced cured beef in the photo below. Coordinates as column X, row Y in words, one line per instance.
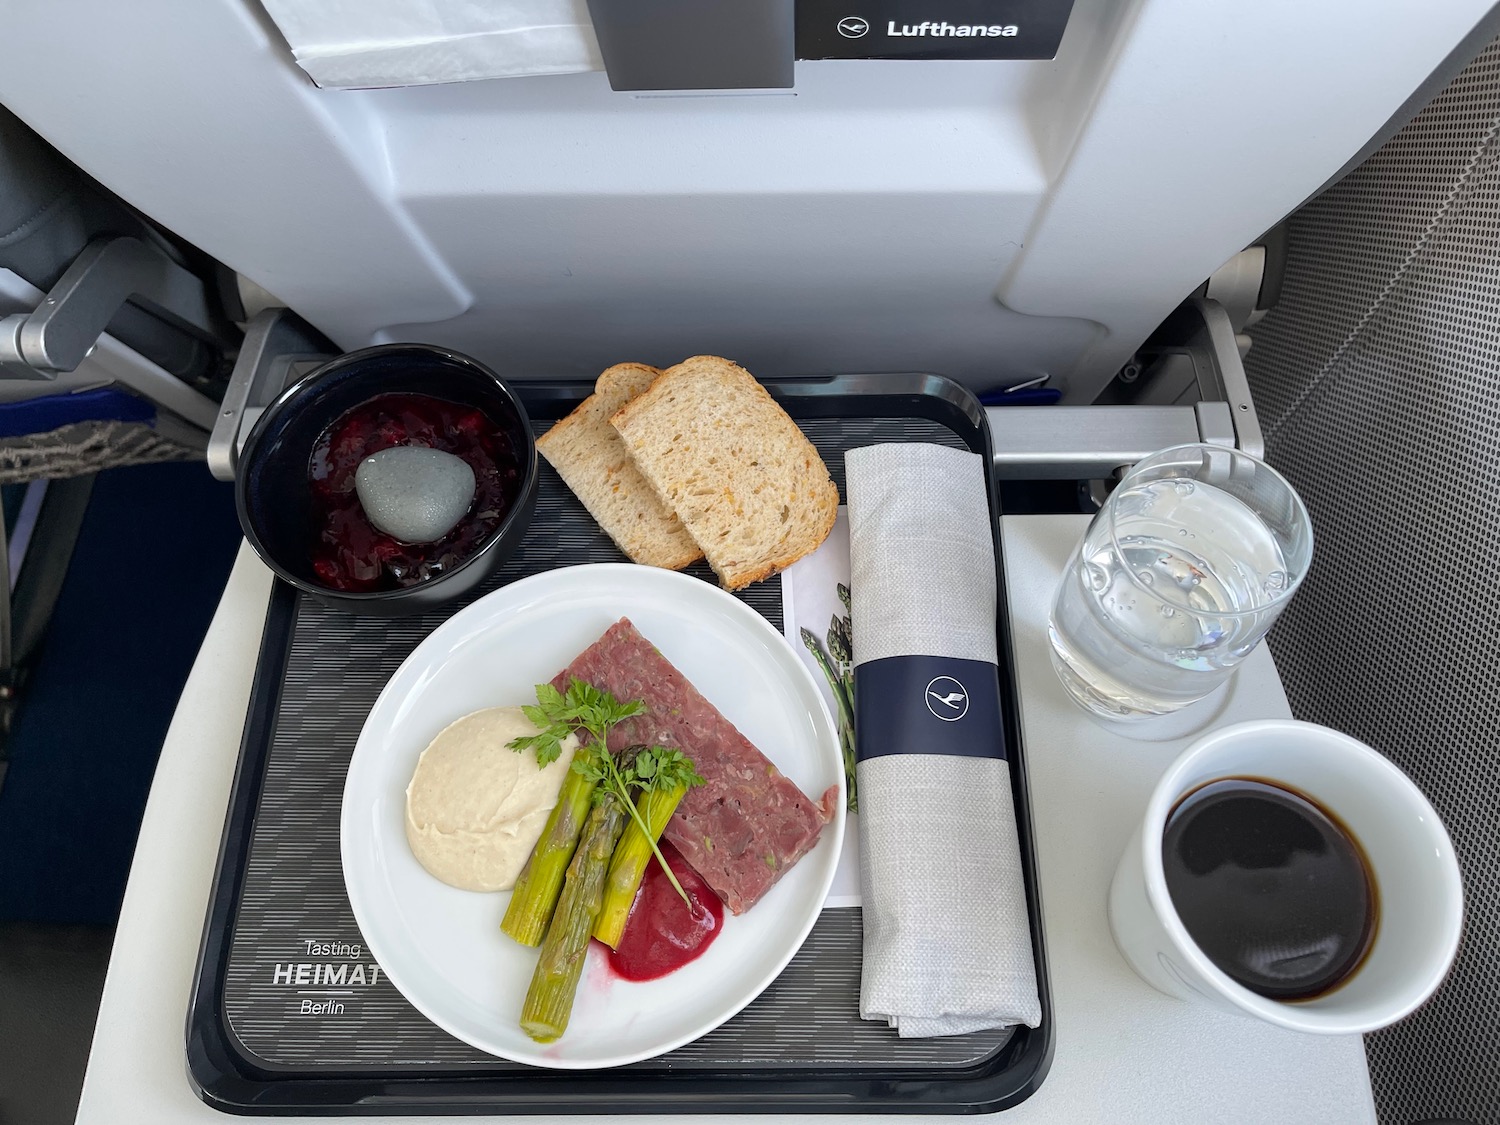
column 748, row 823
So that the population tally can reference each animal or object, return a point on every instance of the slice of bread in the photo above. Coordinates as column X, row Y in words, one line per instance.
column 744, row 480
column 592, row 460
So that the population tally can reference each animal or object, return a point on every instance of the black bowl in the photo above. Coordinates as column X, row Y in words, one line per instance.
column 271, row 482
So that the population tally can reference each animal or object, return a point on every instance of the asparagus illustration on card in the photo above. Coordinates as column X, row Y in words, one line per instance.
column 837, row 662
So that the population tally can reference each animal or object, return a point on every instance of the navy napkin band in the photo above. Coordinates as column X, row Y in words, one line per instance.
column 927, row 705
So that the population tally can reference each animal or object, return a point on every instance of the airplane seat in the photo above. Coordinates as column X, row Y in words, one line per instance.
column 49, row 211
column 146, row 391
column 67, row 416
column 998, row 223
column 1377, row 381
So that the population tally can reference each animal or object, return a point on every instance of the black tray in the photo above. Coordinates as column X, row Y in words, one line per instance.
column 800, row 1047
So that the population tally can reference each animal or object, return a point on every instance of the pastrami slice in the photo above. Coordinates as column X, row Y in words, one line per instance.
column 748, row 823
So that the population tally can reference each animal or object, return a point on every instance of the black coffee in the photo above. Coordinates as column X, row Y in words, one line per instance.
column 1272, row 887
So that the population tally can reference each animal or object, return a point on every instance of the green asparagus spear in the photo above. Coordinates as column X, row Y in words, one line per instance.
column 535, row 896
column 556, row 717
column 595, row 712
column 549, row 1000
column 628, row 867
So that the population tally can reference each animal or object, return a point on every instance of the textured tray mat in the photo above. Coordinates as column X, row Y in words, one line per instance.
column 301, row 991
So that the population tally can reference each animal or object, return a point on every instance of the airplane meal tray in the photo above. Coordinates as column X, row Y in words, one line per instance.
column 289, row 1014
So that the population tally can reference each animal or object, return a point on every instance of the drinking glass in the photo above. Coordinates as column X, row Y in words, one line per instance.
column 1178, row 577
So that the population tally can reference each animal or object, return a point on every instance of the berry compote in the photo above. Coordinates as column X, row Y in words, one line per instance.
column 348, row 553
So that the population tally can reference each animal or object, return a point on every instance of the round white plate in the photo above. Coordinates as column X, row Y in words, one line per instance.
column 443, row 947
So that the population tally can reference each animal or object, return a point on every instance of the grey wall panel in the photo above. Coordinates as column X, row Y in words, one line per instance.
column 1378, row 380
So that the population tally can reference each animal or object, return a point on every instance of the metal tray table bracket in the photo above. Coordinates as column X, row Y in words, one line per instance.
column 271, row 1030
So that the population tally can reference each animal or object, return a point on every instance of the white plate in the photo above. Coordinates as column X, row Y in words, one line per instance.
column 443, row 947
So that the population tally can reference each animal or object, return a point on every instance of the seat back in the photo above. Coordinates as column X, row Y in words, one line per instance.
column 1377, row 380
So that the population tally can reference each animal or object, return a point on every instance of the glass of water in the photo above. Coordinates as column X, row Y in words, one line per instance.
column 1177, row 579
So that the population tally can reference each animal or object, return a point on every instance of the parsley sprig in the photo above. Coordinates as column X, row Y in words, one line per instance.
column 585, row 708
column 556, row 716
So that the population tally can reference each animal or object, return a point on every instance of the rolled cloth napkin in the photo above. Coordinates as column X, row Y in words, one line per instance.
column 947, row 942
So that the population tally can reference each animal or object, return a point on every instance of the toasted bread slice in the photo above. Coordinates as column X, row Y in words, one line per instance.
column 744, row 480
column 592, row 460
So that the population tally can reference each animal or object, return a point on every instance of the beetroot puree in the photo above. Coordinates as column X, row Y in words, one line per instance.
column 662, row 934
column 348, row 553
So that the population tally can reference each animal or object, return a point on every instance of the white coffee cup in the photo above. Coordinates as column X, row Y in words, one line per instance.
column 1418, row 889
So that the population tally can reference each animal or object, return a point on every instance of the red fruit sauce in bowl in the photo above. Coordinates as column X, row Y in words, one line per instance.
column 294, row 485
column 349, row 552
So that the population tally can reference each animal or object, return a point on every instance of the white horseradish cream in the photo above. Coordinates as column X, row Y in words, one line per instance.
column 475, row 807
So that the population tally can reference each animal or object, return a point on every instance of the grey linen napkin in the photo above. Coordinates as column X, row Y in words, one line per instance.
column 947, row 944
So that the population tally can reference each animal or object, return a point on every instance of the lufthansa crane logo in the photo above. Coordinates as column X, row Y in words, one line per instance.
column 947, row 699
column 852, row 27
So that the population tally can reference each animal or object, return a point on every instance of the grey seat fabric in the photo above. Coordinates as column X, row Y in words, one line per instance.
column 1377, row 380
column 49, row 211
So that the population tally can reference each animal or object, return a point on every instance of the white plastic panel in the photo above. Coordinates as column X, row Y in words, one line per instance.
column 874, row 218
